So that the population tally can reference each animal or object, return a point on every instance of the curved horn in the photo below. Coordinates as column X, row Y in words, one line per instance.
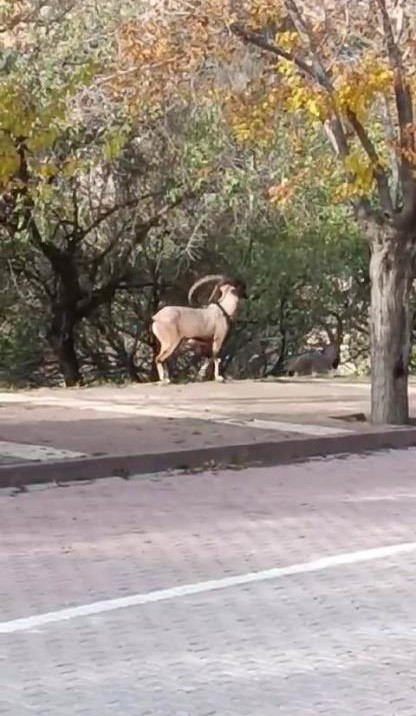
column 211, row 278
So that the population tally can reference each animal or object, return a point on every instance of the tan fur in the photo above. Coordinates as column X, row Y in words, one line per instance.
column 312, row 362
column 203, row 327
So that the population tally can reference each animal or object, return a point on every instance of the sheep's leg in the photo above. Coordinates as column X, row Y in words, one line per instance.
column 161, row 359
column 204, row 367
column 168, row 344
column 162, row 372
column 218, row 377
column 216, row 347
column 206, row 363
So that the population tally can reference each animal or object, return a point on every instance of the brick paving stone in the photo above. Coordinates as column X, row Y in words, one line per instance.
column 337, row 642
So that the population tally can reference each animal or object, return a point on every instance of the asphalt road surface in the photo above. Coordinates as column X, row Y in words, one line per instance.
column 286, row 590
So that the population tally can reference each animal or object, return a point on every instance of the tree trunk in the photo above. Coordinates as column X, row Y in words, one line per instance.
column 391, row 278
column 62, row 340
column 278, row 368
column 155, row 347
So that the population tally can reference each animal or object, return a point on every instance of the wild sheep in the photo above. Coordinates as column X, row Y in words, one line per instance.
column 313, row 362
column 208, row 326
column 319, row 362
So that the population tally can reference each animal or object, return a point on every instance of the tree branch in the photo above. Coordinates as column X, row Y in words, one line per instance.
column 316, row 71
column 333, row 126
column 390, row 133
column 380, row 175
column 113, row 210
column 105, row 293
column 304, row 30
column 254, row 38
column 404, row 107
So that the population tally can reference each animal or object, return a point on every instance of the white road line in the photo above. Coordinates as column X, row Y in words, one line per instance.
column 109, row 605
column 41, row 453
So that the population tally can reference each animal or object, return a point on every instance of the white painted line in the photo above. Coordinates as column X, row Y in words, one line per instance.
column 301, row 428
column 41, row 453
column 109, row 605
column 107, row 407
column 180, row 411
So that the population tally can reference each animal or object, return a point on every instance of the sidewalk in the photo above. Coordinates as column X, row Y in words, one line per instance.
column 90, row 432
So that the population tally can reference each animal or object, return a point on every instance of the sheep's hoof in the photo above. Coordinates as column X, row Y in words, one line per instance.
column 165, row 381
column 220, row 379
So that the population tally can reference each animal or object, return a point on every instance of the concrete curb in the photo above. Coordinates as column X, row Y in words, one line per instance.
column 266, row 453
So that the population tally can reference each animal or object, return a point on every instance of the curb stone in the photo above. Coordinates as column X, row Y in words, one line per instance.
column 261, row 453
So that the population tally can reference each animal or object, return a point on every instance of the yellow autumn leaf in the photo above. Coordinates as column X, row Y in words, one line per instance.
column 47, row 170
column 9, row 164
column 313, row 108
column 71, row 167
column 280, row 194
column 287, row 40
column 356, row 88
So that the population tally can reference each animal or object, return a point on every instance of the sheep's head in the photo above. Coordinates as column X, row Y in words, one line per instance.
column 237, row 285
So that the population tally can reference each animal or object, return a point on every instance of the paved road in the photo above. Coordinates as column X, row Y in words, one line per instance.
column 324, row 633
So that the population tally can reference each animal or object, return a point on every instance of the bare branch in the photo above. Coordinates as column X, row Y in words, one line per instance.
column 113, row 210
column 106, row 291
column 336, row 135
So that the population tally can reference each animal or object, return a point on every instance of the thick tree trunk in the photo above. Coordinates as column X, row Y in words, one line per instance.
column 391, row 276
column 62, row 340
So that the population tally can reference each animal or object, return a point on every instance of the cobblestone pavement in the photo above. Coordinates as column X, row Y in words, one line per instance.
column 338, row 640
